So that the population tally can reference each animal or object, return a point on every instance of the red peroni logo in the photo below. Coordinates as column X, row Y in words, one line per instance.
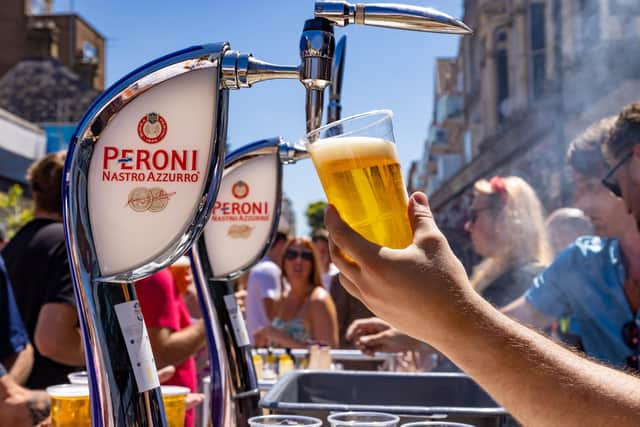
column 240, row 211
column 141, row 165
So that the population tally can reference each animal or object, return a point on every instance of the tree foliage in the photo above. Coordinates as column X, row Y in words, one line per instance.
column 15, row 211
column 315, row 215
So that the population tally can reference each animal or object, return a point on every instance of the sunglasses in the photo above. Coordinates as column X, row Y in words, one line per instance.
column 610, row 182
column 631, row 337
column 292, row 254
column 474, row 213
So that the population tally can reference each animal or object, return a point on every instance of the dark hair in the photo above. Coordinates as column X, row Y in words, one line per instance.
column 625, row 133
column 320, row 234
column 585, row 150
column 279, row 237
column 45, row 179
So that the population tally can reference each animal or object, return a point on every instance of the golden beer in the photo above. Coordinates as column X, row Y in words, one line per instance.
column 70, row 405
column 174, row 399
column 362, row 178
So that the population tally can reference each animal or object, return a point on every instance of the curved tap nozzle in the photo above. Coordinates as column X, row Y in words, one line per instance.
column 334, row 109
column 388, row 15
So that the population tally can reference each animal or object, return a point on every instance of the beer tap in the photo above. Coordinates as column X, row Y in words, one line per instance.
column 142, row 177
column 334, row 109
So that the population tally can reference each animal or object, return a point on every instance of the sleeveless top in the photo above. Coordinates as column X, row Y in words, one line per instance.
column 294, row 327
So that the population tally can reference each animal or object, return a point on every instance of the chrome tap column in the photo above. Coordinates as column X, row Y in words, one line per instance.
column 141, row 177
column 242, row 223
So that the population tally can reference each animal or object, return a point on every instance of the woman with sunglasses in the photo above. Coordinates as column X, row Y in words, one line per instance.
column 305, row 311
column 506, row 224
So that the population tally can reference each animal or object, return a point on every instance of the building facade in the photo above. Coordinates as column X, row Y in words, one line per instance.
column 37, row 33
column 533, row 75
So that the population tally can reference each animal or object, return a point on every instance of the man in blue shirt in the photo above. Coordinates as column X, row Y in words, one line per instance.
column 595, row 280
column 16, row 354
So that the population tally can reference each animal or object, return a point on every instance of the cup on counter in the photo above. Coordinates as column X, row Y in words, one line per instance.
column 363, row 419
column 174, row 399
column 284, row 420
column 435, row 424
column 70, row 405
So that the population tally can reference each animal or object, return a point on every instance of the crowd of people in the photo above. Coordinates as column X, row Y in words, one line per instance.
column 571, row 279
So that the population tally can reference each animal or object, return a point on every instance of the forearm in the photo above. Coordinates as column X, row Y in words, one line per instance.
column 19, row 365
column 65, row 348
column 279, row 338
column 177, row 346
column 538, row 381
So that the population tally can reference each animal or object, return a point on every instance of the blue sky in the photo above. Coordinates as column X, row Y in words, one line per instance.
column 384, row 68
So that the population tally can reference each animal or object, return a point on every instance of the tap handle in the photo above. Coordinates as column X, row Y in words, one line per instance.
column 390, row 15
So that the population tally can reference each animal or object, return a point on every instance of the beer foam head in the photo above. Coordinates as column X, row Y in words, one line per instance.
column 337, row 148
column 68, row 390
column 174, row 390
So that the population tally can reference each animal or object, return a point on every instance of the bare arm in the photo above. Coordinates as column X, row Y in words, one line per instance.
column 19, row 365
column 57, row 335
column 525, row 313
column 324, row 321
column 270, row 307
column 538, row 381
column 174, row 347
column 270, row 335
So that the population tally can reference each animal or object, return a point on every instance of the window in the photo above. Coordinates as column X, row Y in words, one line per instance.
column 502, row 70
column 588, row 26
column 538, row 48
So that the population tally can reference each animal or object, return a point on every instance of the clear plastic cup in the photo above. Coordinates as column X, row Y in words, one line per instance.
column 358, row 166
column 70, row 405
column 284, row 420
column 174, row 398
column 435, row 424
column 78, row 377
column 363, row 419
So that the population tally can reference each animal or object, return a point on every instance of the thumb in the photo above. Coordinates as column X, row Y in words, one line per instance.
column 420, row 214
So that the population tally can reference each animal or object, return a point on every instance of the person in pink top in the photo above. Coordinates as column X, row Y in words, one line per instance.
column 174, row 337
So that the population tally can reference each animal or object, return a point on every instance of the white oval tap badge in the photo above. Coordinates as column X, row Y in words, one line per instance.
column 152, row 128
column 145, row 181
column 243, row 214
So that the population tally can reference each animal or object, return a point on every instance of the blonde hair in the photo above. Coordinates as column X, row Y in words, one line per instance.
column 520, row 229
column 315, row 277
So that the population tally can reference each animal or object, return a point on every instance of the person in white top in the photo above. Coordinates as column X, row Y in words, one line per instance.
column 320, row 239
column 263, row 287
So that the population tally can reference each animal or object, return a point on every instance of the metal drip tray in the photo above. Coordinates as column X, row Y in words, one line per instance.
column 450, row 396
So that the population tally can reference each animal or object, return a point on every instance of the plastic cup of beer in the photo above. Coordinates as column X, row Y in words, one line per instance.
column 174, row 399
column 358, row 166
column 70, row 405
column 180, row 270
column 363, row 419
column 284, row 420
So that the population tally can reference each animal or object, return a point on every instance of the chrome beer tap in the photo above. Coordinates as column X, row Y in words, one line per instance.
column 334, row 109
column 126, row 217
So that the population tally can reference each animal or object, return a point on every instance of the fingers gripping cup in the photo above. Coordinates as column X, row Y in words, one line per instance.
column 70, row 405
column 358, row 166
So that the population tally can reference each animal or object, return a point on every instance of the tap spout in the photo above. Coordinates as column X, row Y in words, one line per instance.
column 334, row 109
column 390, row 15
